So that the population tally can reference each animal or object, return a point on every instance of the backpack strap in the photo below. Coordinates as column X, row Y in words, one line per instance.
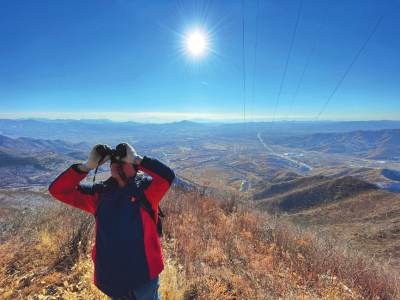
column 145, row 204
column 141, row 184
column 103, row 185
column 160, row 213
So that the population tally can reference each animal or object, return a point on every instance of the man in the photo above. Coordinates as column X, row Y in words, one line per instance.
column 127, row 255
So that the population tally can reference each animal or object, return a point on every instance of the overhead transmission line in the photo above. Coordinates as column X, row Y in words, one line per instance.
column 287, row 61
column 348, row 69
column 255, row 61
column 244, row 73
column 308, row 60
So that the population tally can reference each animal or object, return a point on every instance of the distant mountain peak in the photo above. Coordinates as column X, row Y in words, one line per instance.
column 186, row 122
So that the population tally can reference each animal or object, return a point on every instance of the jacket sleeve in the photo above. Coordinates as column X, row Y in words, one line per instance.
column 68, row 189
column 162, row 179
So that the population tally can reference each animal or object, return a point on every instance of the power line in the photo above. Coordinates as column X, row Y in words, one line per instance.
column 348, row 69
column 255, row 61
column 308, row 60
column 244, row 73
column 287, row 61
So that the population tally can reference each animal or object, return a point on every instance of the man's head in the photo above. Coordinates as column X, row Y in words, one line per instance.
column 118, row 169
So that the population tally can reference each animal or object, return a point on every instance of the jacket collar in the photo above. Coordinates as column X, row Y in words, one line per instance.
column 130, row 186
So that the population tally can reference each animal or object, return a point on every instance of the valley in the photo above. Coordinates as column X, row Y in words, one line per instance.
column 341, row 184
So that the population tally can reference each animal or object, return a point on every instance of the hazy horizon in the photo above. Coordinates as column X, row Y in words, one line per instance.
column 194, row 120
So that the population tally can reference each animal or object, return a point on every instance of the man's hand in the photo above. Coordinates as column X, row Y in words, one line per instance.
column 131, row 155
column 94, row 158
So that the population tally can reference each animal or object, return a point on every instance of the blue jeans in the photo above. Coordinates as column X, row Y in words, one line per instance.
column 148, row 291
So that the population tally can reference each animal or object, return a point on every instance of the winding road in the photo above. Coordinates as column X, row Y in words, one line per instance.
column 300, row 164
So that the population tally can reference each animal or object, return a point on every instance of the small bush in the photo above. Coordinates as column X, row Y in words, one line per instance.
column 213, row 249
column 43, row 247
column 226, row 250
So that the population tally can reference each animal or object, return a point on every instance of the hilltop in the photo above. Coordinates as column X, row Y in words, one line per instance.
column 373, row 144
column 213, row 249
column 309, row 192
column 352, row 209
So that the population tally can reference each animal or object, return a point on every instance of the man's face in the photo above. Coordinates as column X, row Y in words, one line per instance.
column 128, row 169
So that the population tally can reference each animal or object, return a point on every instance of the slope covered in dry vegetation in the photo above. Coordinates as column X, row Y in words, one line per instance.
column 352, row 209
column 213, row 249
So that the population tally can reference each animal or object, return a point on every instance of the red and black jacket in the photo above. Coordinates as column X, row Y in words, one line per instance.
column 127, row 253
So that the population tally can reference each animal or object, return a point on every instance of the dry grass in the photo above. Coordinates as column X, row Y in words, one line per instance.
column 242, row 254
column 213, row 249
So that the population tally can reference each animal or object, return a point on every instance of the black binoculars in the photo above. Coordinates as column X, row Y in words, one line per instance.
column 115, row 157
column 119, row 151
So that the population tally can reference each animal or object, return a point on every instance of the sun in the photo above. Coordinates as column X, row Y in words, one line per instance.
column 196, row 43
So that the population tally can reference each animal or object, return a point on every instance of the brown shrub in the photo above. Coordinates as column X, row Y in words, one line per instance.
column 213, row 249
column 235, row 252
column 43, row 247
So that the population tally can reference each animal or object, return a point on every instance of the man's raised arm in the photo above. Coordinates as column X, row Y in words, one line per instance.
column 68, row 187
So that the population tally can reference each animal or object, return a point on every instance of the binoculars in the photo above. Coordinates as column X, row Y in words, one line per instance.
column 115, row 154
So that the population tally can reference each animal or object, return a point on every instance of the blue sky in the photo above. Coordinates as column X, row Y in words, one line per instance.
column 128, row 60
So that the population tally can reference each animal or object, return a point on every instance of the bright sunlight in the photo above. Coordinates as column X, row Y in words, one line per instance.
column 196, row 43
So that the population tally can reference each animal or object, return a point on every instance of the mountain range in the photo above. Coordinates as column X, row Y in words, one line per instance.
column 374, row 144
column 76, row 129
